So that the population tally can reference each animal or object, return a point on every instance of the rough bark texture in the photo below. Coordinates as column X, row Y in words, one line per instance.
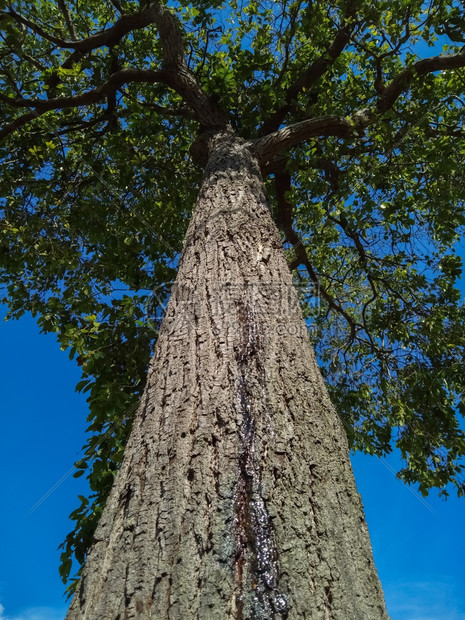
column 236, row 498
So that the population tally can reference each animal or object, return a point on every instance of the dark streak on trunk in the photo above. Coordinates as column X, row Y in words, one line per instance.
column 256, row 550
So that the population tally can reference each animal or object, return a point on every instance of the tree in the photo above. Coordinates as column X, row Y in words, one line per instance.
column 316, row 125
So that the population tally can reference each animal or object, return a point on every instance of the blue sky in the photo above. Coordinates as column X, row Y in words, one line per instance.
column 43, row 422
column 419, row 553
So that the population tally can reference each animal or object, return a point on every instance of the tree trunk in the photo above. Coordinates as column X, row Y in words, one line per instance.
column 236, row 497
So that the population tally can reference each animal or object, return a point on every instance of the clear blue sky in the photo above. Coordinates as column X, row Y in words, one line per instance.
column 419, row 555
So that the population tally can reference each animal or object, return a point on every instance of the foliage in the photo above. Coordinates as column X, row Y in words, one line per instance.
column 96, row 195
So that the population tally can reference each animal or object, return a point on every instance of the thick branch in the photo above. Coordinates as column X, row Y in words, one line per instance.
column 170, row 34
column 270, row 146
column 115, row 81
column 40, row 106
column 316, row 70
column 35, row 28
column 175, row 71
column 402, row 82
column 108, row 37
column 185, row 84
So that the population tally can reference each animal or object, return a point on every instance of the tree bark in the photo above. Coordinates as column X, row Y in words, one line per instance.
column 236, row 497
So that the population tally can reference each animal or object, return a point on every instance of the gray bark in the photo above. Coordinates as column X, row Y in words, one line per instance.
column 236, row 497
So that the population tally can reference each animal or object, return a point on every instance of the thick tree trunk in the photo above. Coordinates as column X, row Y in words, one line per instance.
column 236, row 497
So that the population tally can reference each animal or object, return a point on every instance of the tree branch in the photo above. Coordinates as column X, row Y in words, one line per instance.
column 316, row 70
column 68, row 20
column 35, row 28
column 402, row 82
column 117, row 6
column 283, row 185
column 82, row 125
column 109, row 37
column 208, row 113
column 40, row 106
column 17, row 123
column 293, row 14
column 175, row 72
column 183, row 112
column 268, row 147
column 278, row 164
column 115, row 81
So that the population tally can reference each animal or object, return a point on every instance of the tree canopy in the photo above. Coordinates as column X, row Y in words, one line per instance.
column 359, row 105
